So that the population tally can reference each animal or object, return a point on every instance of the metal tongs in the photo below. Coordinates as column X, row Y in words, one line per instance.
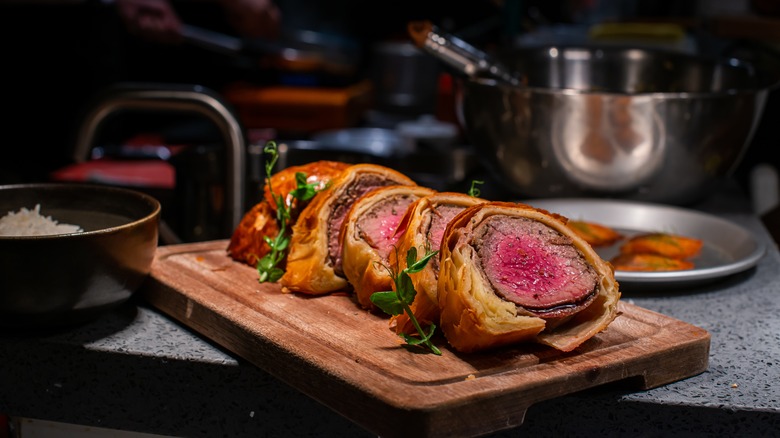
column 459, row 54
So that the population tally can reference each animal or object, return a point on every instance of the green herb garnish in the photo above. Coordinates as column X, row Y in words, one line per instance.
column 268, row 266
column 398, row 301
column 474, row 191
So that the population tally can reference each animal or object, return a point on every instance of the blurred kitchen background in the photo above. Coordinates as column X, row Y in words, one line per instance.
column 86, row 100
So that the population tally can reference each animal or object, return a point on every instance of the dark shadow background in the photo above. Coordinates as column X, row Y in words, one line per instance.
column 57, row 55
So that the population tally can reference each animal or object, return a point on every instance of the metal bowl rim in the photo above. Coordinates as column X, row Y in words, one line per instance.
column 612, row 50
column 667, row 95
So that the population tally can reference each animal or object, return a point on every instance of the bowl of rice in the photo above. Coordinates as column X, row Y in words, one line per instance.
column 69, row 252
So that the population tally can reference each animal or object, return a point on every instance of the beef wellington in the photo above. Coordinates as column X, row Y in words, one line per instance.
column 511, row 273
column 370, row 234
column 247, row 244
column 424, row 225
column 314, row 259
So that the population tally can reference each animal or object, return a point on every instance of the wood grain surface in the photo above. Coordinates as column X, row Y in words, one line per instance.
column 348, row 359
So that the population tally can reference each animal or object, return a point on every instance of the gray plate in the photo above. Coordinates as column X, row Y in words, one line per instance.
column 728, row 248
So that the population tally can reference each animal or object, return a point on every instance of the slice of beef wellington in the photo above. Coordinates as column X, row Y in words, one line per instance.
column 511, row 273
column 369, row 234
column 247, row 244
column 424, row 225
column 314, row 258
column 284, row 182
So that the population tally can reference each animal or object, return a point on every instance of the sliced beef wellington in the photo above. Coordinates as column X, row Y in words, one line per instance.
column 511, row 273
column 247, row 244
column 424, row 225
column 314, row 258
column 369, row 235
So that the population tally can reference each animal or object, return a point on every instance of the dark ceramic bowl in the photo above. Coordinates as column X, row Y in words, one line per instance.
column 58, row 280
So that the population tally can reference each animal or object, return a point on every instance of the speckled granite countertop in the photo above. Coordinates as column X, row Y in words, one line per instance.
column 135, row 369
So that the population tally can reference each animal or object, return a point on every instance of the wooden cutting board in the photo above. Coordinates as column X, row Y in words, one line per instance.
column 348, row 359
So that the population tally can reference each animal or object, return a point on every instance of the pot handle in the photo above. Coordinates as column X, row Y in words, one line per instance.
column 458, row 54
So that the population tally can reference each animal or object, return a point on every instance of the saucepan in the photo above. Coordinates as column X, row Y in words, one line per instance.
column 301, row 57
column 623, row 122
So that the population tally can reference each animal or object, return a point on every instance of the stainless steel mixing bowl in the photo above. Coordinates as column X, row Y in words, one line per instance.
column 613, row 122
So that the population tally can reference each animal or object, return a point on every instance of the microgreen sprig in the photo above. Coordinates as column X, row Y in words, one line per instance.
column 268, row 266
column 474, row 190
column 398, row 301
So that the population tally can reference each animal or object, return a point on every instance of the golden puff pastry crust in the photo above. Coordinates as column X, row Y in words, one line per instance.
column 490, row 249
column 247, row 244
column 284, row 182
column 370, row 233
column 314, row 258
column 424, row 225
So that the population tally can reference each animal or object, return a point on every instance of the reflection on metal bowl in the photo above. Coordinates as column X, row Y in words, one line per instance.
column 630, row 123
column 378, row 142
column 438, row 169
column 609, row 150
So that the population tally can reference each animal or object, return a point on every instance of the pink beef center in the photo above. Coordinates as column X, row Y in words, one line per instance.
column 440, row 217
column 378, row 227
column 532, row 265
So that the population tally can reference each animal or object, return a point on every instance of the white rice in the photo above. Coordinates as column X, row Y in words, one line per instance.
column 32, row 223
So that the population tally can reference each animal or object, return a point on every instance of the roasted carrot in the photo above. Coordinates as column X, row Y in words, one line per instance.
column 668, row 245
column 649, row 262
column 595, row 234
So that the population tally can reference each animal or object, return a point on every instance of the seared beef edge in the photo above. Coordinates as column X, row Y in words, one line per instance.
column 361, row 185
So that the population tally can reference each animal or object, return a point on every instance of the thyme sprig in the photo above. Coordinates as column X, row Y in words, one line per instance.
column 268, row 266
column 398, row 301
